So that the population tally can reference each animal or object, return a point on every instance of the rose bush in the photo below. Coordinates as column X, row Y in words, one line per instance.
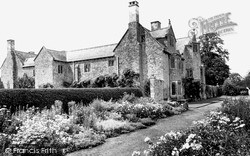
column 219, row 134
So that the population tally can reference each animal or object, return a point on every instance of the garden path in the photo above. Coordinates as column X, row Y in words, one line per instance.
column 125, row 144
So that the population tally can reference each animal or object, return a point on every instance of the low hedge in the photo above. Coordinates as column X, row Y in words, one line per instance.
column 16, row 98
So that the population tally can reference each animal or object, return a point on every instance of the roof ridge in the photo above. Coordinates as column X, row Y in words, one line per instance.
column 182, row 38
column 93, row 47
column 160, row 29
column 55, row 50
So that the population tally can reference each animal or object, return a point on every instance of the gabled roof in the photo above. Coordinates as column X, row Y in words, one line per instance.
column 29, row 62
column 160, row 33
column 91, row 53
column 181, row 43
column 23, row 56
column 57, row 55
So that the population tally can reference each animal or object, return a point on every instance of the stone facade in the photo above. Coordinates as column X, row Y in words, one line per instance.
column 151, row 53
column 43, row 68
column 98, row 67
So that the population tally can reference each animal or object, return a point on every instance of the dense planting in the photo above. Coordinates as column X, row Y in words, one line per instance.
column 83, row 127
column 19, row 98
column 223, row 132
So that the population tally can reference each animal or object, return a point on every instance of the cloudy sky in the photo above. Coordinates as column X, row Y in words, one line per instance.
column 77, row 24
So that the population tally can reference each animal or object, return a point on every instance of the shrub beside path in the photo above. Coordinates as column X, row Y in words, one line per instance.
column 125, row 144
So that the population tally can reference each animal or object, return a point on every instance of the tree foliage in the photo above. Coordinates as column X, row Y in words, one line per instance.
column 1, row 84
column 192, row 89
column 26, row 82
column 211, row 42
column 214, row 58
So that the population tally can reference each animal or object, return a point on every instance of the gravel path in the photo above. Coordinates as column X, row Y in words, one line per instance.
column 125, row 144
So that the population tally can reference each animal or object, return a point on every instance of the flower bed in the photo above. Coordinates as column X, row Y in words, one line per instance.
column 83, row 127
column 221, row 133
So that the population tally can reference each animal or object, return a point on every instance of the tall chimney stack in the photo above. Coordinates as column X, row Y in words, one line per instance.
column 10, row 45
column 133, row 11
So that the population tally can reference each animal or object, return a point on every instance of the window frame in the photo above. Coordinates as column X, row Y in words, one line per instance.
column 179, row 87
column 173, row 62
column 86, row 67
column 111, row 63
column 60, row 69
column 195, row 48
column 174, row 88
column 190, row 73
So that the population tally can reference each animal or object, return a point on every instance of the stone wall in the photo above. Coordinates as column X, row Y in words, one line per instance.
column 156, row 89
column 65, row 76
column 128, row 49
column 193, row 61
column 7, row 72
column 43, row 68
column 176, row 75
column 98, row 67
column 29, row 71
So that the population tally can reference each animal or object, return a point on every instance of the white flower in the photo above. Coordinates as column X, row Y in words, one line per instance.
column 162, row 138
column 146, row 152
column 190, row 137
column 196, row 146
column 236, row 119
column 175, row 152
column 147, row 139
column 225, row 118
column 185, row 146
column 136, row 153
column 171, row 134
column 240, row 126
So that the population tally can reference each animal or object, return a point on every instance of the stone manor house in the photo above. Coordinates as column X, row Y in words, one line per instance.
column 154, row 54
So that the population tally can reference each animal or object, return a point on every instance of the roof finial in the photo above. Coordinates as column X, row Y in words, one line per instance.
column 169, row 22
column 194, row 35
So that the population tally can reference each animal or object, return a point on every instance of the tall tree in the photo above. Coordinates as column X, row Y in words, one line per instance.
column 214, row 58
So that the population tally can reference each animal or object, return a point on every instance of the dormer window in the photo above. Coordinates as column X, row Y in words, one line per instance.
column 195, row 48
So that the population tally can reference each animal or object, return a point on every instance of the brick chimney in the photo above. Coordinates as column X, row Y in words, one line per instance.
column 10, row 45
column 13, row 64
column 133, row 11
column 155, row 25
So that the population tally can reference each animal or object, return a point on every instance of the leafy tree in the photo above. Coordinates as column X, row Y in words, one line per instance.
column 211, row 42
column 192, row 89
column 26, row 82
column 214, row 58
column 246, row 81
column 128, row 79
column 1, row 84
column 235, row 78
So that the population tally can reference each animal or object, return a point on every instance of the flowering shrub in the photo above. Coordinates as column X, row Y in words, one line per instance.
column 238, row 107
column 219, row 134
column 82, row 127
column 152, row 110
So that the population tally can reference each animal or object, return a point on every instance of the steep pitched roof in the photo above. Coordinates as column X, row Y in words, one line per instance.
column 57, row 55
column 181, row 43
column 29, row 62
column 23, row 56
column 91, row 53
column 160, row 33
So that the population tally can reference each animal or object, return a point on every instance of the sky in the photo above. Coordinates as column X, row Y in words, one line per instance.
column 77, row 24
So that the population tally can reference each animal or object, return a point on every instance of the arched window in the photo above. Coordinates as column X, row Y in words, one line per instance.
column 172, row 62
